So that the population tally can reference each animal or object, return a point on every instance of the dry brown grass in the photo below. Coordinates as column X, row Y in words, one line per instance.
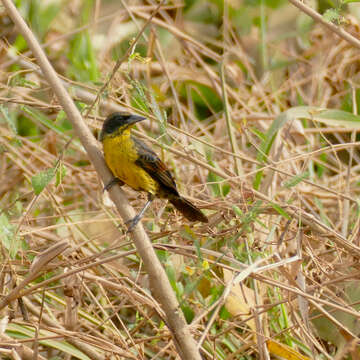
column 104, row 308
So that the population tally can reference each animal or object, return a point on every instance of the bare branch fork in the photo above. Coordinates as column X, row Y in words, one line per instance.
column 159, row 282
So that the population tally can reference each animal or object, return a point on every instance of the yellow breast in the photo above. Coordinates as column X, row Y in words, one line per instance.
column 120, row 156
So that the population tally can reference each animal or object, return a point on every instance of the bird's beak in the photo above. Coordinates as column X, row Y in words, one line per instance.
column 135, row 118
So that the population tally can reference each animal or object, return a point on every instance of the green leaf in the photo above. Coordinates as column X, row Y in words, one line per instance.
column 332, row 15
column 336, row 118
column 9, row 239
column 170, row 271
column 159, row 115
column 216, row 182
column 40, row 117
column 225, row 189
column 249, row 217
column 212, row 179
column 41, row 14
column 83, row 64
column 265, row 147
column 322, row 210
column 5, row 113
column 320, row 168
column 139, row 99
column 238, row 212
column 60, row 116
column 296, row 179
column 42, row 179
column 257, row 133
column 60, row 174
column 205, row 99
column 280, row 210
column 188, row 313
column 19, row 45
column 224, row 314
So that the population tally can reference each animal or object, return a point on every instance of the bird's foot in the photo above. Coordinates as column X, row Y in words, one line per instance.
column 112, row 182
column 132, row 223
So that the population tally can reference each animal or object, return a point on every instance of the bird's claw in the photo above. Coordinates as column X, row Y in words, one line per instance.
column 112, row 182
column 132, row 223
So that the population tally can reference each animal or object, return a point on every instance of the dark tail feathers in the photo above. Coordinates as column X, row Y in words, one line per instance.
column 189, row 210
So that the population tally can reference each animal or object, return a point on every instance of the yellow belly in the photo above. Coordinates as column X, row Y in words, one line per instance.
column 120, row 156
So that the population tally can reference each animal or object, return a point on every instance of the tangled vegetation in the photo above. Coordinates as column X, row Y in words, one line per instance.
column 253, row 106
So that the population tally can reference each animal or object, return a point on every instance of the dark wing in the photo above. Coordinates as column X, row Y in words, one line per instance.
column 150, row 162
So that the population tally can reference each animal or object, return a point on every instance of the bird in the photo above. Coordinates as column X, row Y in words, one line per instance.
column 135, row 164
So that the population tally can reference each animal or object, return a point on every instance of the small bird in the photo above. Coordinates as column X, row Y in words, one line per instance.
column 133, row 163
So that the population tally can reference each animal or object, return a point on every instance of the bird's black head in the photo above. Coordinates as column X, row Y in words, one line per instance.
column 118, row 122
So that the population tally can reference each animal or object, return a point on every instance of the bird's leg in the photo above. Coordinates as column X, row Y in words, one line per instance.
column 133, row 222
column 112, row 182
